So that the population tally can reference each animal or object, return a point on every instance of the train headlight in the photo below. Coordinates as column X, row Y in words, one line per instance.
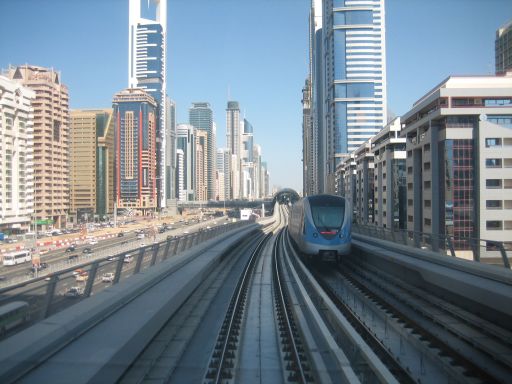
column 315, row 235
column 341, row 235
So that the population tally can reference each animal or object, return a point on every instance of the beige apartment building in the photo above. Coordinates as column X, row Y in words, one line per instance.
column 91, row 164
column 51, row 138
column 16, row 157
column 459, row 162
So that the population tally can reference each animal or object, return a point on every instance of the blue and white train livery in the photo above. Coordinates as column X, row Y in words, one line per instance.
column 321, row 225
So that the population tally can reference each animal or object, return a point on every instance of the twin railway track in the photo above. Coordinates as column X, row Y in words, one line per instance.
column 262, row 315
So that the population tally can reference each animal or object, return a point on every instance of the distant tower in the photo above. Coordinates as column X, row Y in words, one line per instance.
column 503, row 49
column 135, row 113
column 146, row 69
column 186, row 143
column 201, row 117
column 233, row 137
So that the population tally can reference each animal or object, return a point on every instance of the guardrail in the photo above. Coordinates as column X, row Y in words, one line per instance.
column 67, row 284
column 468, row 248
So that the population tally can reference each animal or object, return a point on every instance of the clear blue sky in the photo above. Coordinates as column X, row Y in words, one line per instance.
column 255, row 48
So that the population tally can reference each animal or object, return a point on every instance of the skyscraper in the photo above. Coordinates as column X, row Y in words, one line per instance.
column 16, row 156
column 170, row 156
column 91, row 143
column 201, row 117
column 503, row 49
column 315, row 145
column 186, row 143
column 147, row 70
column 51, row 143
column 135, row 113
column 355, row 74
column 233, row 137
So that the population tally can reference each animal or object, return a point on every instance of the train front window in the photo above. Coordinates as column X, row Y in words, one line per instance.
column 328, row 212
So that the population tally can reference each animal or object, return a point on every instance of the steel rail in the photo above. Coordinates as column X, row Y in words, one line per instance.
column 283, row 310
column 230, row 327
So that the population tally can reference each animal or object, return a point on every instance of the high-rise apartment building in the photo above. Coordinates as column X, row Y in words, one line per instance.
column 390, row 193
column 201, row 118
column 201, row 172
column 51, row 143
column 315, row 145
column 147, row 70
column 170, row 156
column 247, row 161
column 135, row 172
column 180, row 175
column 308, row 150
column 224, row 174
column 354, row 68
column 16, row 157
column 186, row 143
column 91, row 143
column 503, row 49
column 257, row 171
column 233, row 143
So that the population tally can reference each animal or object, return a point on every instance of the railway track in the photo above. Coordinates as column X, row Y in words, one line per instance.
column 468, row 348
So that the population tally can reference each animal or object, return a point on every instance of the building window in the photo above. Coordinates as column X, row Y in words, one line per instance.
column 494, row 225
column 492, row 183
column 507, row 163
column 508, row 224
column 497, row 102
column 507, row 183
column 427, row 184
column 493, row 142
column 427, row 203
column 428, row 221
column 56, row 130
column 508, row 204
column 493, row 163
column 493, row 204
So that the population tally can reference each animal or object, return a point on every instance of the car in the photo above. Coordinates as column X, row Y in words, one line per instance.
column 128, row 258
column 87, row 250
column 83, row 276
column 161, row 230
column 140, row 236
column 112, row 258
column 108, row 277
column 120, row 234
column 74, row 292
column 71, row 248
column 72, row 257
column 78, row 271
column 93, row 242
column 39, row 267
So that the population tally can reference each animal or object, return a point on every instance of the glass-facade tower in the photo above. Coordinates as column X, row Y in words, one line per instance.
column 201, row 117
column 355, row 77
column 146, row 69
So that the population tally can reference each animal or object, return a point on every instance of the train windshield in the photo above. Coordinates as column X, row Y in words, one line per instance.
column 328, row 213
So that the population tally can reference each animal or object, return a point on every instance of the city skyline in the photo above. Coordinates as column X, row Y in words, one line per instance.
column 262, row 75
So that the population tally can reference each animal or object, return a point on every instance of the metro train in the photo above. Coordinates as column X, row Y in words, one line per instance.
column 321, row 226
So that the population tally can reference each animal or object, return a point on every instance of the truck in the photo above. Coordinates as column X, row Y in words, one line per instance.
column 245, row 214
